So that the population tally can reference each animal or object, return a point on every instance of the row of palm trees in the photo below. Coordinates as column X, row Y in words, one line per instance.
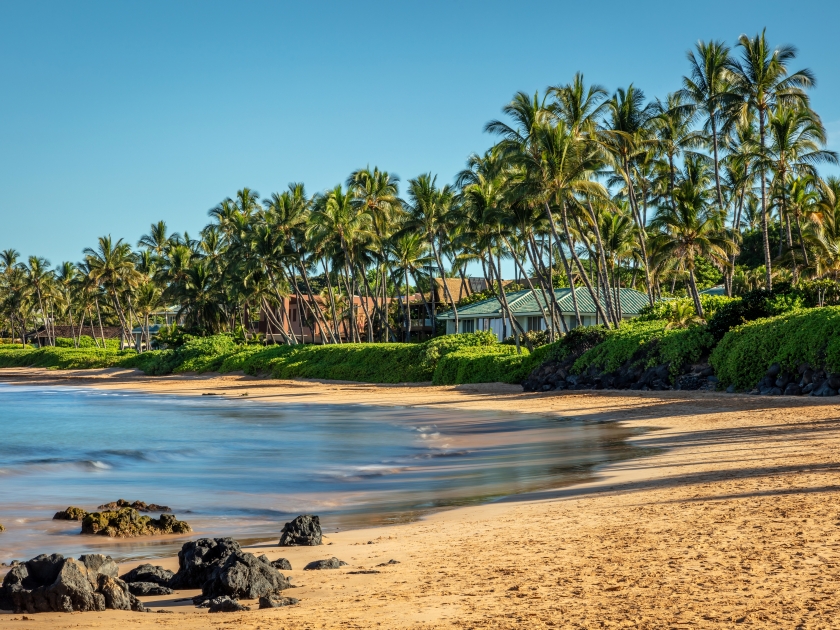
column 582, row 187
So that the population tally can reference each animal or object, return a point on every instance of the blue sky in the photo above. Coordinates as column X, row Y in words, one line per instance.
column 118, row 114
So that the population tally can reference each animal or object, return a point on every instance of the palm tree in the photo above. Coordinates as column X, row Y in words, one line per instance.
column 761, row 81
column 66, row 276
column 690, row 230
column 111, row 265
column 158, row 239
column 39, row 277
column 709, row 91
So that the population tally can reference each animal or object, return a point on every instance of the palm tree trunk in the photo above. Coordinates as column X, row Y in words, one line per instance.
column 716, row 160
column 566, row 265
column 516, row 329
column 547, row 286
column 595, row 297
column 446, row 285
column 407, row 308
column 101, row 330
column 641, row 225
column 331, row 294
column 322, row 321
column 694, row 293
column 602, row 257
column 528, row 282
column 765, row 235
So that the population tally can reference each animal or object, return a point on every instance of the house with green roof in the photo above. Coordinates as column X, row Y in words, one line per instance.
column 527, row 307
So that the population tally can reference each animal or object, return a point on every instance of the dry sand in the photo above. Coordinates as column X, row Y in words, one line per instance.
column 733, row 520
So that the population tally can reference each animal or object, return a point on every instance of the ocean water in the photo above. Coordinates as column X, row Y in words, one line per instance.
column 240, row 467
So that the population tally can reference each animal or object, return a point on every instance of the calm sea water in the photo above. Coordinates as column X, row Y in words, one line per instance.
column 241, row 467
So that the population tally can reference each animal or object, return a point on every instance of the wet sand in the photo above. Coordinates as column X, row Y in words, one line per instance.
column 732, row 520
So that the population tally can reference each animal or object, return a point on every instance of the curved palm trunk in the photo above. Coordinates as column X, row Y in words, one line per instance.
column 595, row 297
column 331, row 294
column 528, row 281
column 514, row 325
column 641, row 225
column 566, row 265
column 445, row 284
column 322, row 321
column 547, row 285
column 603, row 262
column 694, row 293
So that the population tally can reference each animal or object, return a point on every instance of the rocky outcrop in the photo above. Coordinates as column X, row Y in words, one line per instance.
column 331, row 563
column 140, row 506
column 198, row 559
column 277, row 602
column 244, row 575
column 2, row 529
column 304, row 530
column 128, row 523
column 778, row 381
column 142, row 589
column 148, row 573
column 70, row 514
column 57, row 584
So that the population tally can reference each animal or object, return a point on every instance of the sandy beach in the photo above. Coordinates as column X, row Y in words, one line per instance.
column 732, row 519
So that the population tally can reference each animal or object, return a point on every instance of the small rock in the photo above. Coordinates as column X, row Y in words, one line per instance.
column 271, row 601
column 225, row 604
column 304, row 530
column 793, row 390
column 143, row 589
column 730, row 389
column 281, row 564
column 385, row 564
column 317, row 565
column 363, row 572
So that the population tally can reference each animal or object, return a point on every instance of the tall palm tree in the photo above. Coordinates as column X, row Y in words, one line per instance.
column 111, row 265
column 762, row 81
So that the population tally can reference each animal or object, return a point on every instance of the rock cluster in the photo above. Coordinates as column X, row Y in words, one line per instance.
column 304, row 531
column 804, row 380
column 70, row 514
column 57, row 584
column 149, row 573
column 220, row 568
column 140, row 506
column 127, row 523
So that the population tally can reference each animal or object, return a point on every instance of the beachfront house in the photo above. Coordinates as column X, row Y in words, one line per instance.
column 487, row 314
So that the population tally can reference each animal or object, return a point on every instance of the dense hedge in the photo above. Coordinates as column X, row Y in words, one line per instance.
column 63, row 358
column 648, row 342
column 805, row 336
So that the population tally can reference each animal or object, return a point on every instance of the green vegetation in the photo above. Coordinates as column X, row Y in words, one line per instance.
column 63, row 358
column 802, row 336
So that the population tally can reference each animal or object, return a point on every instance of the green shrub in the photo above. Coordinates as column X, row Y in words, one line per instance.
column 86, row 341
column 63, row 358
column 810, row 336
column 482, row 364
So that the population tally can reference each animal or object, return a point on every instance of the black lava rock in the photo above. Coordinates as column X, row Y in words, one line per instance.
column 243, row 575
column 304, row 531
column 142, row 589
column 224, row 604
column 198, row 559
column 281, row 564
column 149, row 573
column 277, row 602
column 331, row 563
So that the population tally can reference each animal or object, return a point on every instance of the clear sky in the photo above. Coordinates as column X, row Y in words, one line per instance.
column 117, row 114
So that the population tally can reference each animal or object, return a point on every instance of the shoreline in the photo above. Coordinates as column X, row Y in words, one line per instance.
column 730, row 518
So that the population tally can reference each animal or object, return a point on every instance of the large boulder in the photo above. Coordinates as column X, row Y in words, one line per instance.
column 148, row 573
column 282, row 564
column 51, row 584
column 244, row 575
column 127, row 523
column 304, row 530
column 199, row 558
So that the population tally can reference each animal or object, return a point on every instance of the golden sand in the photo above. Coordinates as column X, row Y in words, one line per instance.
column 733, row 520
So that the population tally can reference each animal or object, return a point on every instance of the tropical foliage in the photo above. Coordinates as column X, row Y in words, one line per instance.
column 583, row 187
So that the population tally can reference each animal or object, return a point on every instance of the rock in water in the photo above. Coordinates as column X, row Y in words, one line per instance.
column 70, row 514
column 198, row 559
column 148, row 573
column 2, row 529
column 304, row 531
column 243, row 575
column 281, row 564
column 277, row 602
column 127, row 523
column 317, row 565
column 140, row 506
column 143, row 589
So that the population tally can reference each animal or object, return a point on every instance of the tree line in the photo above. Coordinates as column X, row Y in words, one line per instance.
column 582, row 188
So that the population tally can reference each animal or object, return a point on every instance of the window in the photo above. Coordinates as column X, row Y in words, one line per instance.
column 468, row 326
column 535, row 323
